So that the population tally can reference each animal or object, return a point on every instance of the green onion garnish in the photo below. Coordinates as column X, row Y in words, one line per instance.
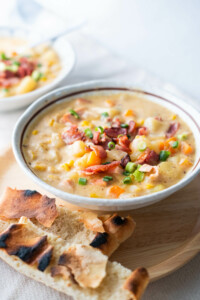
column 3, row 56
column 125, row 173
column 111, row 145
column 16, row 63
column 5, row 90
column 36, row 75
column 82, row 181
column 124, row 125
column 39, row 65
column 107, row 178
column 99, row 128
column 139, row 176
column 73, row 113
column 130, row 167
column 175, row 144
column 105, row 114
column 182, row 136
column 142, row 146
column 88, row 133
column 127, row 180
column 106, row 163
column 164, row 155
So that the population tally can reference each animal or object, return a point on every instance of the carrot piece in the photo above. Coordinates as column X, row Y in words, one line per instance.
column 115, row 191
column 161, row 145
column 129, row 113
column 186, row 148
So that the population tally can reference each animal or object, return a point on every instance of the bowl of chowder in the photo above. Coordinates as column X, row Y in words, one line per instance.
column 108, row 145
column 28, row 72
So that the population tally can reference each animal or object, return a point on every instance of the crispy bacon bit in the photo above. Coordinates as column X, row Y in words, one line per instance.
column 72, row 134
column 101, row 168
column 99, row 150
column 30, row 204
column 116, row 123
column 125, row 160
column 173, row 128
column 18, row 240
column 7, row 82
column 148, row 157
column 142, row 131
column 123, row 143
column 96, row 137
column 132, row 127
column 26, row 68
column 114, row 132
column 6, row 74
column 101, row 139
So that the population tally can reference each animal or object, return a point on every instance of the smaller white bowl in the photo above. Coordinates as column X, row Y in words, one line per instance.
column 67, row 58
column 153, row 94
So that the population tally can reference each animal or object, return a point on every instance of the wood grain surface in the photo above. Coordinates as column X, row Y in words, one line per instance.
column 167, row 234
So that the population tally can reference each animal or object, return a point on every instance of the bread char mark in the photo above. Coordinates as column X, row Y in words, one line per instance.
column 100, row 239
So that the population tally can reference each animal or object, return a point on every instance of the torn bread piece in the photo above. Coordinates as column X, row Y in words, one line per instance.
column 28, row 203
column 105, row 232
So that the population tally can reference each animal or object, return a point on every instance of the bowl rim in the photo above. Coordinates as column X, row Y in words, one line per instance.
column 49, row 86
column 96, row 86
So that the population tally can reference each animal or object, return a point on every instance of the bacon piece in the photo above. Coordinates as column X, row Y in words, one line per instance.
column 149, row 157
column 114, row 132
column 116, row 123
column 172, row 129
column 101, row 140
column 101, row 168
column 142, row 131
column 99, row 150
column 96, row 137
column 72, row 134
column 132, row 127
column 146, row 168
column 30, row 204
column 123, row 143
column 125, row 160
column 26, row 67
column 7, row 74
column 7, row 82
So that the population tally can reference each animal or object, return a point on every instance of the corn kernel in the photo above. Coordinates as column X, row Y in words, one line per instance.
column 51, row 122
column 129, row 113
column 39, row 167
column 52, row 169
column 66, row 167
column 34, row 132
column 149, row 186
column 93, row 195
column 71, row 163
column 43, row 78
column 85, row 123
column 140, row 122
column 53, row 177
column 173, row 117
column 109, row 103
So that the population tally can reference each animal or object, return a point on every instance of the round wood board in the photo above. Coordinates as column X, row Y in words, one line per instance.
column 167, row 234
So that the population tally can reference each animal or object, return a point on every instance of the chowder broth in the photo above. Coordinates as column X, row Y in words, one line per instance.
column 109, row 146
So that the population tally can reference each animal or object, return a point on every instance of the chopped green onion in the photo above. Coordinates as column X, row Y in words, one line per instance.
column 39, row 65
column 182, row 136
column 129, row 136
column 139, row 176
column 82, row 181
column 175, row 144
column 130, row 167
column 124, row 125
column 120, row 135
column 127, row 180
column 36, row 75
column 126, row 173
column 13, row 68
column 142, row 146
column 3, row 56
column 105, row 114
column 88, row 133
column 73, row 113
column 111, row 145
column 16, row 63
column 107, row 178
column 5, row 90
column 164, row 155
column 106, row 163
column 99, row 128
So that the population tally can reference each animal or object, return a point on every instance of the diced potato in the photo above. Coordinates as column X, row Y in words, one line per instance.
column 88, row 159
column 77, row 149
column 52, row 155
column 115, row 154
column 155, row 126
column 114, row 112
column 39, row 166
column 26, row 85
column 56, row 140
column 169, row 172
column 137, row 141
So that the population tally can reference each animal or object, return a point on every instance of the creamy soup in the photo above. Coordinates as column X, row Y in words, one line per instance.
column 23, row 69
column 109, row 146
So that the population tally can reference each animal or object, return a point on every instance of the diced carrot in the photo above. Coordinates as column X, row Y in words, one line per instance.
column 129, row 113
column 14, row 53
column 93, row 159
column 161, row 145
column 115, row 191
column 186, row 148
column 185, row 162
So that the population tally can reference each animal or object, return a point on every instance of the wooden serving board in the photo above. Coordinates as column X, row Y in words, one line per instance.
column 167, row 234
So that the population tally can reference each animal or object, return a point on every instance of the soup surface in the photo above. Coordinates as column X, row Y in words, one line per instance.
column 109, row 146
column 23, row 69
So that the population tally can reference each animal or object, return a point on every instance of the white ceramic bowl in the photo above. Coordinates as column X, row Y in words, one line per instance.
column 67, row 58
column 184, row 110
